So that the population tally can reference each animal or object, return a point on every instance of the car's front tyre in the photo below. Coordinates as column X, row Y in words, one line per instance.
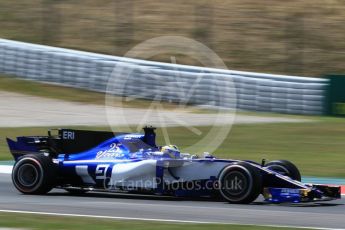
column 34, row 174
column 240, row 183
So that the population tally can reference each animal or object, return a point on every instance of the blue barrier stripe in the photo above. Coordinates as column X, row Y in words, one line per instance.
column 323, row 180
column 6, row 162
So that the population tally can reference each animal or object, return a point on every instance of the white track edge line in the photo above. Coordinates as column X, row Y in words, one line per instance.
column 161, row 220
column 6, row 169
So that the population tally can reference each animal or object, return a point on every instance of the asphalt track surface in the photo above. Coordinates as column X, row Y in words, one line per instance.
column 319, row 215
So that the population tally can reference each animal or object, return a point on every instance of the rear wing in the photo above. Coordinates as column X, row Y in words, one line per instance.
column 67, row 141
column 25, row 145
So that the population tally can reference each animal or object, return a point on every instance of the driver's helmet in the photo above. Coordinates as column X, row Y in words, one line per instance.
column 171, row 151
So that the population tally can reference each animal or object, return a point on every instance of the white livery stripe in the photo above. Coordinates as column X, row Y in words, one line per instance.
column 82, row 171
column 98, row 161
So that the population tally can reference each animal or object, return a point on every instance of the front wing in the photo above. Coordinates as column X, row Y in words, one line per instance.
column 313, row 193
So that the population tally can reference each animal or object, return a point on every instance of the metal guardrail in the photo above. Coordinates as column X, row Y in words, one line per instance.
column 254, row 91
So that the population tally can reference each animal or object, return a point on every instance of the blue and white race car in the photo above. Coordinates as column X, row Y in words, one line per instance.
column 80, row 161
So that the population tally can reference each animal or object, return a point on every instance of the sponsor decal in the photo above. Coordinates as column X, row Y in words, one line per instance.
column 68, row 135
column 113, row 152
column 101, row 171
column 287, row 191
column 132, row 136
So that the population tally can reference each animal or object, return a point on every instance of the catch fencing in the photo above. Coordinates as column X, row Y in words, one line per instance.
column 163, row 81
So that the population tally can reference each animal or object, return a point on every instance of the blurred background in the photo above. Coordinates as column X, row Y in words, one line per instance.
column 278, row 117
column 304, row 38
column 46, row 87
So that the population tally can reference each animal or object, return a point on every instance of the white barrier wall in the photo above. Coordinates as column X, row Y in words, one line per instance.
column 254, row 91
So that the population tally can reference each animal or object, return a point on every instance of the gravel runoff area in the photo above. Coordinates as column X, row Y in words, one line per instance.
column 18, row 110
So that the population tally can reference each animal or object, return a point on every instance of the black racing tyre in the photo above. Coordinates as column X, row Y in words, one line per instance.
column 34, row 174
column 285, row 168
column 240, row 183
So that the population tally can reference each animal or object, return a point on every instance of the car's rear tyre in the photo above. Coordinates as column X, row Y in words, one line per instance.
column 34, row 174
column 285, row 168
column 240, row 183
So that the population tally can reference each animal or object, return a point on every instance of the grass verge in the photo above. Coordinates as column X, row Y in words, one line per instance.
column 26, row 221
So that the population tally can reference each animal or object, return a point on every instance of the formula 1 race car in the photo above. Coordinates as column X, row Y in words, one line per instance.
column 80, row 161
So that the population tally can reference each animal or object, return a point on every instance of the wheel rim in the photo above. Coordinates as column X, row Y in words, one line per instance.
column 27, row 175
column 235, row 183
column 238, row 191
